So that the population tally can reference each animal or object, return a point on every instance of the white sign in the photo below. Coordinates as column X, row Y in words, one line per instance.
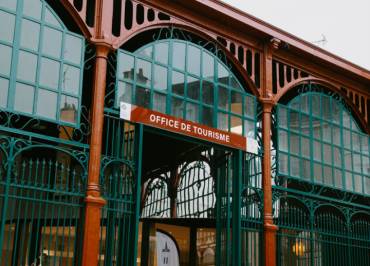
column 125, row 111
column 252, row 146
column 167, row 253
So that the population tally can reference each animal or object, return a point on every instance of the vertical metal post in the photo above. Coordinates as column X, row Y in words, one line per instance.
column 94, row 201
column 269, row 233
column 139, row 130
column 236, row 204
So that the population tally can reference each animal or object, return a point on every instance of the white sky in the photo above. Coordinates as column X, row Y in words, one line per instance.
column 344, row 23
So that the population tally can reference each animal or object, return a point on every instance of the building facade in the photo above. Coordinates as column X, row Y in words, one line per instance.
column 177, row 133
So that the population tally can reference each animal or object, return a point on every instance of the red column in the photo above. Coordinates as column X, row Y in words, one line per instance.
column 94, row 202
column 268, row 223
column 269, row 233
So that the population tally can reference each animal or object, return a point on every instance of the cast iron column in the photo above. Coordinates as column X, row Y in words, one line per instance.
column 94, row 202
column 269, row 229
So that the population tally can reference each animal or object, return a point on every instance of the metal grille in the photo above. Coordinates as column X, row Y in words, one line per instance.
column 41, row 193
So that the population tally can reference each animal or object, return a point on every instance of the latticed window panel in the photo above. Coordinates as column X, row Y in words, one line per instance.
column 320, row 142
column 157, row 201
column 196, row 191
column 185, row 80
column 41, row 65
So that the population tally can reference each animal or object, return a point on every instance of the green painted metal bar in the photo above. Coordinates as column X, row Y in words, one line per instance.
column 236, row 204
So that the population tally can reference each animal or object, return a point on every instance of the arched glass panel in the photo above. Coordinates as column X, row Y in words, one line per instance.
column 185, row 80
column 41, row 64
column 319, row 141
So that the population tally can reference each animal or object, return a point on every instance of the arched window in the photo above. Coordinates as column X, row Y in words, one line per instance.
column 41, row 63
column 185, row 80
column 319, row 141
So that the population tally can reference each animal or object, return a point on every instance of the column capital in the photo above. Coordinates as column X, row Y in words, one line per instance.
column 267, row 104
column 102, row 48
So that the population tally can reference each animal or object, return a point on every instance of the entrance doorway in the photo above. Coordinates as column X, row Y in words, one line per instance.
column 185, row 184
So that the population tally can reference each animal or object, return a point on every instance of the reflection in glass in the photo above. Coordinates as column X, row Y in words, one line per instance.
column 316, row 104
column 223, row 74
column 159, row 102
column 30, row 34
column 177, row 107
column 317, row 151
column 305, row 147
column 207, row 89
column 317, row 172
column 147, row 52
column 223, row 98
column 222, row 121
column 178, row 83
column 160, row 77
column 126, row 66
column 283, row 163
column 24, row 95
column 52, row 42
column 193, row 88
column 349, row 181
column 72, row 49
column 10, row 4
column 4, row 84
column 294, row 143
column 124, row 93
column 142, row 97
column 249, row 128
column 192, row 112
column 207, row 116
column 27, row 64
column 236, row 125
column 283, row 140
column 236, row 103
column 193, row 60
column 208, row 66
column 338, row 178
column 235, row 84
column 179, row 55
column 143, row 72
column 51, row 19
column 161, row 52
column 250, row 108
column 49, row 75
column 68, row 109
column 71, row 79
column 32, row 8
column 46, row 104
column 6, row 59
column 6, row 33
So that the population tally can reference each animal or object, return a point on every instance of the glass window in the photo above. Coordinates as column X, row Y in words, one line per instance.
column 207, row 116
column 222, row 121
column 68, row 109
column 47, row 104
column 236, row 125
column 49, row 75
column 27, row 65
column 124, row 92
column 143, row 72
column 51, row 19
column 193, row 60
column 223, row 98
column 6, row 33
column 125, row 66
column 207, row 89
column 178, row 83
column 178, row 55
column 142, row 96
column 159, row 102
column 9, row 4
column 223, row 74
column 160, row 77
column 6, row 59
column 192, row 112
column 30, row 34
column 24, row 98
column 283, row 140
column 177, row 107
column 193, row 88
column 147, row 52
column 161, row 52
column 208, row 66
column 249, row 128
column 236, row 103
column 32, row 8
column 250, row 106
column 4, row 84
column 73, row 49
column 52, row 42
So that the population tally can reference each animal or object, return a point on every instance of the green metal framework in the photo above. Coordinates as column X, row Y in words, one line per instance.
column 42, row 63
column 186, row 80
column 322, row 182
